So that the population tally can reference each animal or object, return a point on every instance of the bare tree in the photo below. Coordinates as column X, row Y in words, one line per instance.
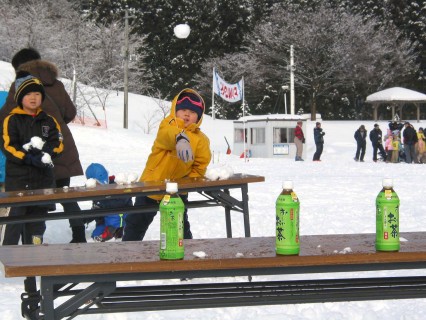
column 335, row 51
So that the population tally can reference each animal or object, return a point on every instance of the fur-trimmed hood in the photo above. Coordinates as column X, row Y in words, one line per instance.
column 46, row 71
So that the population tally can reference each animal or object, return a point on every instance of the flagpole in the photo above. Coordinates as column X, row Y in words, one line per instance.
column 213, row 111
column 244, row 124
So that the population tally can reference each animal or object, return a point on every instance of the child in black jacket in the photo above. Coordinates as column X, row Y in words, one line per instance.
column 30, row 139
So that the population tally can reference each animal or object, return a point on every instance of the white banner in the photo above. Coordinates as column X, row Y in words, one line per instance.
column 228, row 92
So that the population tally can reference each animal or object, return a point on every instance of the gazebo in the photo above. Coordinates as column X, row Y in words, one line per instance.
column 396, row 96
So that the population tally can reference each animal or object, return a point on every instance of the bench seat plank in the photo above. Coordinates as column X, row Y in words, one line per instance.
column 236, row 253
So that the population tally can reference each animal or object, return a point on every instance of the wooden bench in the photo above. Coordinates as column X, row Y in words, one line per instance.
column 215, row 193
column 88, row 277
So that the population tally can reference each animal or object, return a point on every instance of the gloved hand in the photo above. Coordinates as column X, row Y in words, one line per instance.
column 183, row 147
column 36, row 160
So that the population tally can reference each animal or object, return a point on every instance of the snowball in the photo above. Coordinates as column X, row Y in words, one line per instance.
column 46, row 158
column 37, row 143
column 200, row 254
column 212, row 174
column 225, row 173
column 239, row 255
column 182, row 31
column 222, row 172
column 120, row 178
column 346, row 250
column 27, row 146
column 91, row 183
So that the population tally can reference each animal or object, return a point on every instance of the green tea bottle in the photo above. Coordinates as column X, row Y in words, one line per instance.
column 171, row 224
column 287, row 209
column 387, row 218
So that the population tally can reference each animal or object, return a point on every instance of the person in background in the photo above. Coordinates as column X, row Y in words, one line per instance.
column 360, row 136
column 376, row 139
column 319, row 141
column 420, row 145
column 110, row 226
column 397, row 148
column 31, row 139
column 299, row 140
column 410, row 140
column 389, row 147
column 180, row 150
column 59, row 105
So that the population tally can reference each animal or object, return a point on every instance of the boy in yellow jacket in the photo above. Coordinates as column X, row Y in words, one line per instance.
column 180, row 150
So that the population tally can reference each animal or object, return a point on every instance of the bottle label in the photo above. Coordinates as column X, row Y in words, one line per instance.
column 166, row 199
column 388, row 194
column 294, row 197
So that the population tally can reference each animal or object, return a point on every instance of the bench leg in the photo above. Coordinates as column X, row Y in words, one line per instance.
column 30, row 307
column 47, row 305
column 244, row 194
column 228, row 218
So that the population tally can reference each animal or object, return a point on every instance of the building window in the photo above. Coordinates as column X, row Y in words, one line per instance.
column 257, row 135
column 239, row 135
column 283, row 135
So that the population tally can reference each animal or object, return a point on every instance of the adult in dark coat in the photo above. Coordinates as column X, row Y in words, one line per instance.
column 59, row 105
column 410, row 140
column 376, row 139
column 319, row 141
column 361, row 143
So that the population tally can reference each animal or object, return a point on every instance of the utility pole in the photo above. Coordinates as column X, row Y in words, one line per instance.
column 291, row 80
column 126, row 69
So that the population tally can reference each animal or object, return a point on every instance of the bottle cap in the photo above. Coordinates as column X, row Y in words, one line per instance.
column 171, row 187
column 387, row 183
column 288, row 185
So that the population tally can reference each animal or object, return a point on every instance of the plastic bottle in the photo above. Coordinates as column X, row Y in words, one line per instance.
column 387, row 218
column 287, row 221
column 171, row 226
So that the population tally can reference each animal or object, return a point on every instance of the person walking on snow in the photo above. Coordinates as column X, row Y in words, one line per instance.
column 319, row 141
column 299, row 140
column 361, row 143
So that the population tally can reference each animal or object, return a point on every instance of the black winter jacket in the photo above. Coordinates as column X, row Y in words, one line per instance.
column 376, row 136
column 360, row 138
column 318, row 135
column 18, row 128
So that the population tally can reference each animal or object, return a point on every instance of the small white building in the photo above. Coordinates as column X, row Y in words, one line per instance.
column 268, row 136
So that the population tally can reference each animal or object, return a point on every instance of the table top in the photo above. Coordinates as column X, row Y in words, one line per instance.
column 234, row 253
column 109, row 190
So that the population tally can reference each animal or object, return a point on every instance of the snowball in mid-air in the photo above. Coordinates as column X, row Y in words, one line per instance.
column 182, row 31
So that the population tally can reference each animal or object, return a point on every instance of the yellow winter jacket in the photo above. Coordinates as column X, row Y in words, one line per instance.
column 163, row 162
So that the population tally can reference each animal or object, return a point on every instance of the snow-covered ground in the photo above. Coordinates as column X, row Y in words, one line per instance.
column 337, row 195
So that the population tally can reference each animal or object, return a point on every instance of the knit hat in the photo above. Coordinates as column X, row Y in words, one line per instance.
column 25, row 55
column 98, row 172
column 26, row 83
column 191, row 101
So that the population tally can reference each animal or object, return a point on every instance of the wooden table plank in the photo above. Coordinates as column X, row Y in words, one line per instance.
column 236, row 253
column 83, row 193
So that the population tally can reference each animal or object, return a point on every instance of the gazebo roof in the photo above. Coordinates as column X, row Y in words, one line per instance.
column 396, row 94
